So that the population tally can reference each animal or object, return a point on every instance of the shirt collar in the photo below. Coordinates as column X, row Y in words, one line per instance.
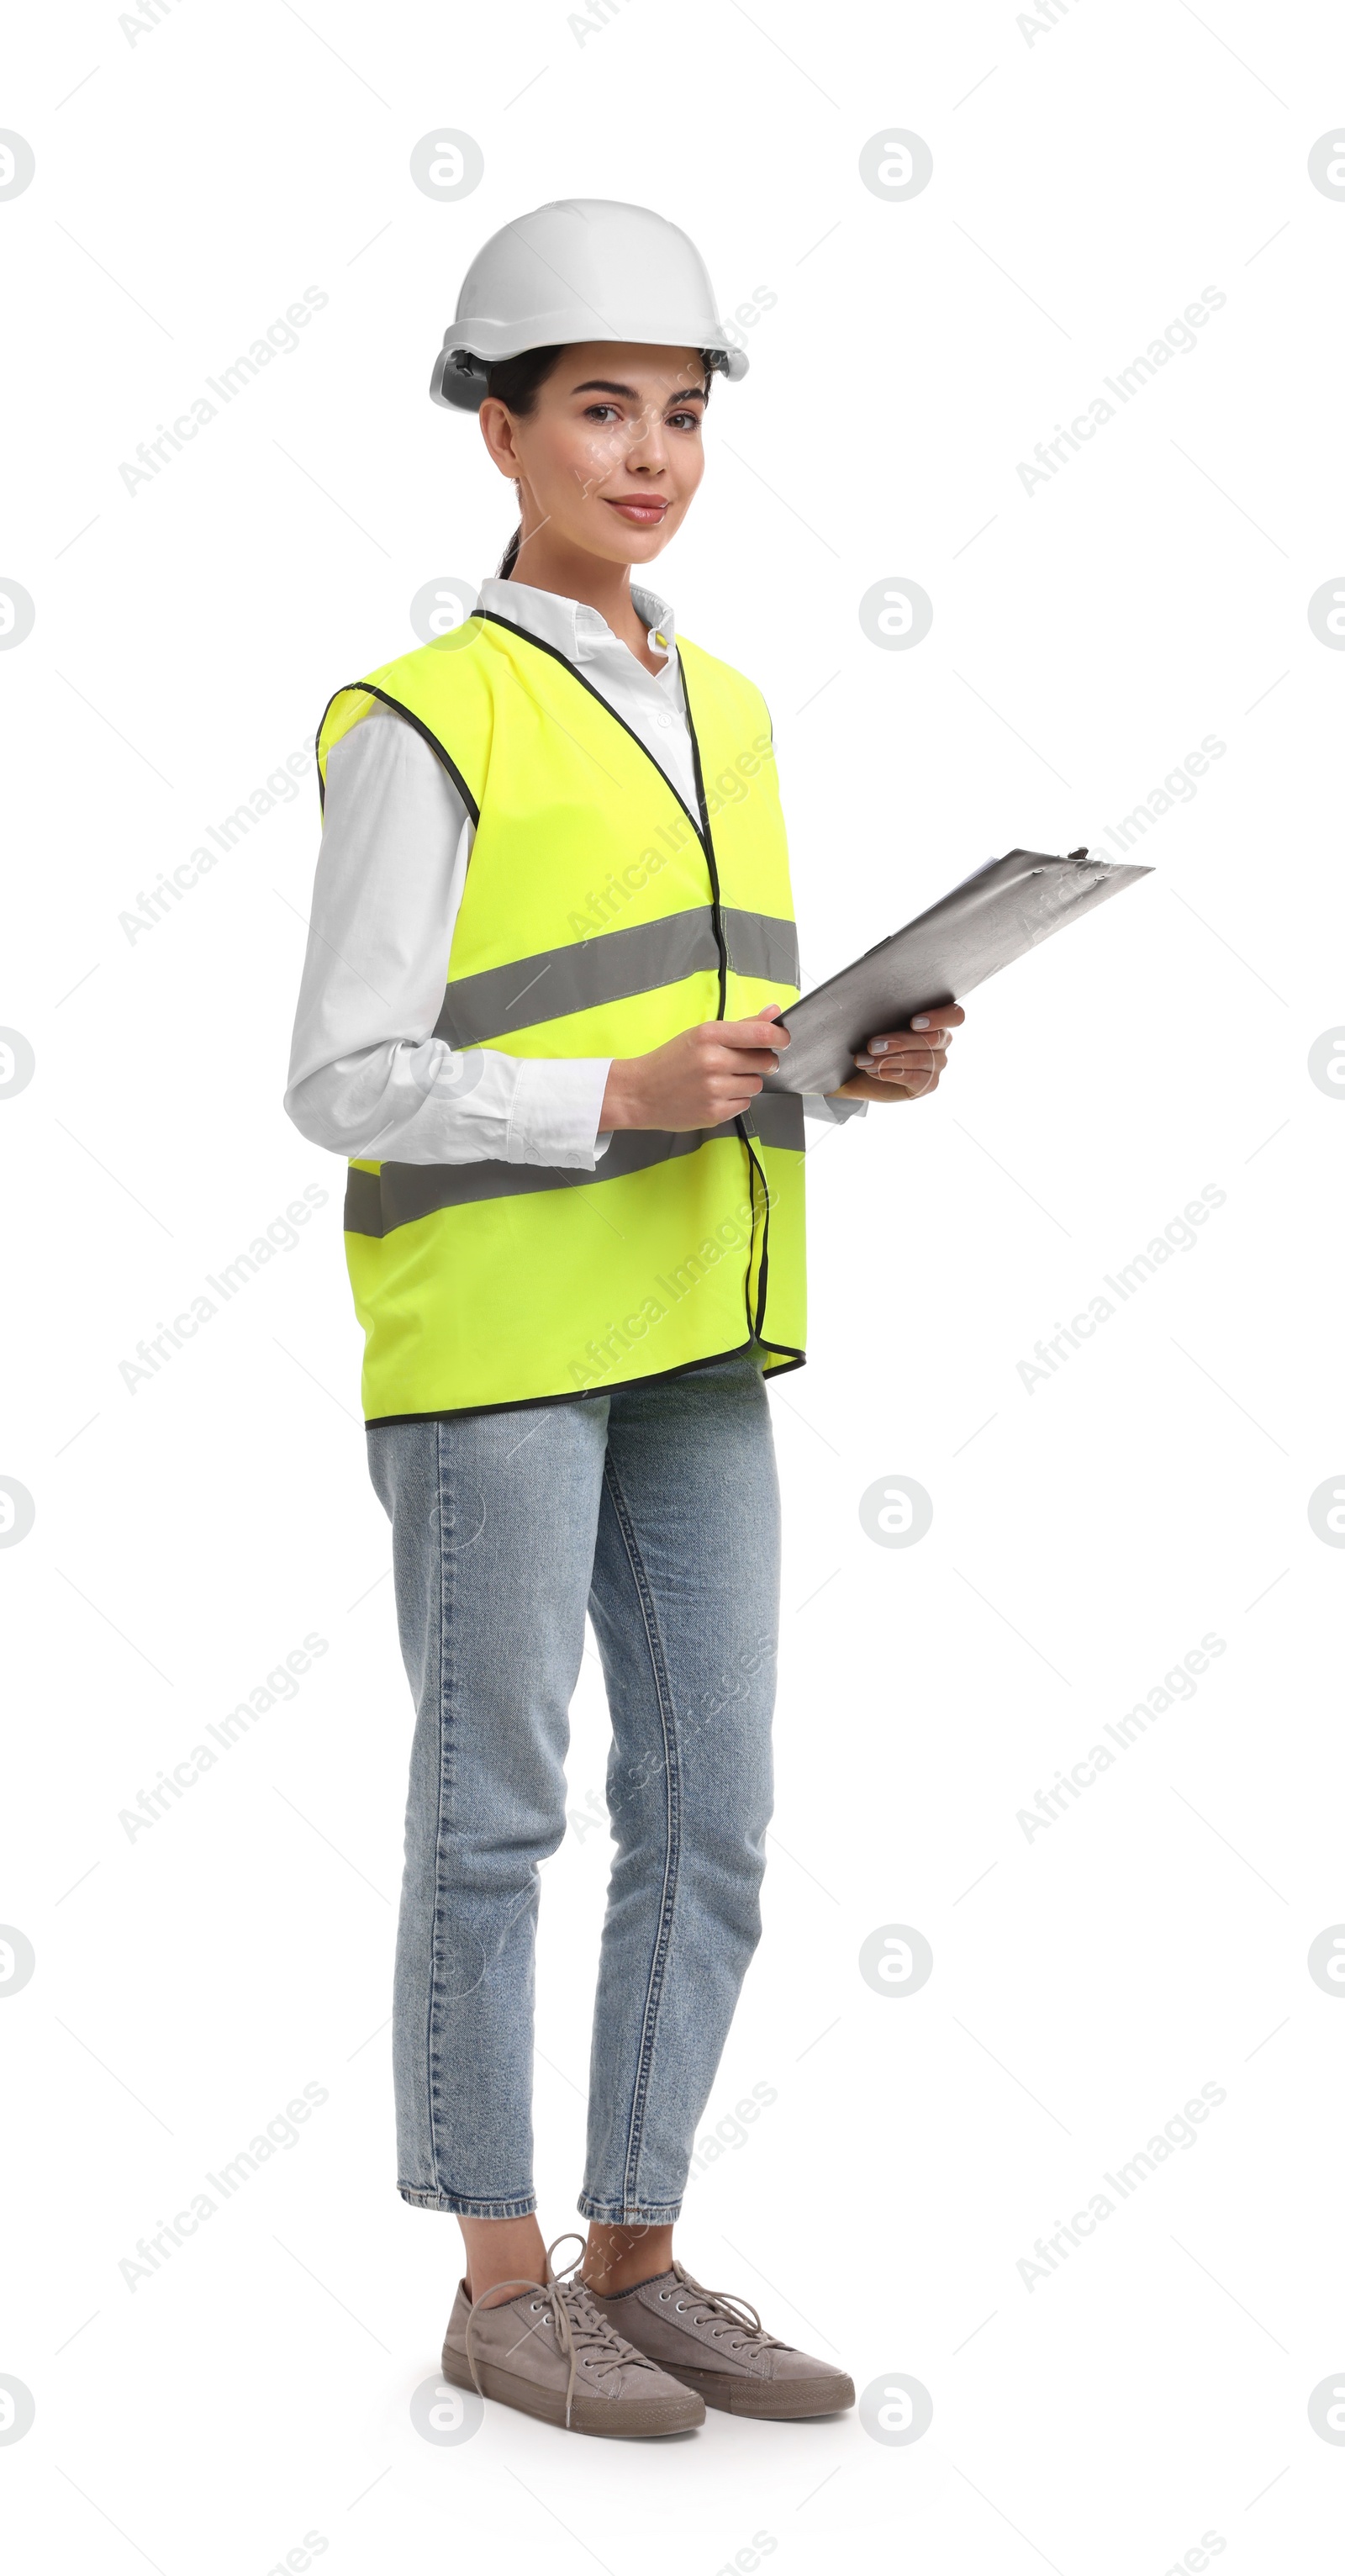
column 571, row 626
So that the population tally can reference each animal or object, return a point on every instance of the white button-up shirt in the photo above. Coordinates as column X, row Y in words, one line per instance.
column 367, row 1076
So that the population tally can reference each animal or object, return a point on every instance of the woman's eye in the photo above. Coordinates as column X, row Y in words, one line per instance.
column 684, row 420
column 602, row 411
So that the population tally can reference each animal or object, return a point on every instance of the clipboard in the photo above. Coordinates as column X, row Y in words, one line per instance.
column 996, row 914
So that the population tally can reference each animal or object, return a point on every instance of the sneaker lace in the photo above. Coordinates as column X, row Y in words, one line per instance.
column 725, row 2313
column 581, row 2330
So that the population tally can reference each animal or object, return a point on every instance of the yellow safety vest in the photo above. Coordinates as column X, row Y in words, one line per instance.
column 600, row 917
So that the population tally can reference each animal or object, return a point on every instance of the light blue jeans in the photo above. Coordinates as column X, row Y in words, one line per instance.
column 656, row 1509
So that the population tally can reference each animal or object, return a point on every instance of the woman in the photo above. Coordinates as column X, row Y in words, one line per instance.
column 551, row 932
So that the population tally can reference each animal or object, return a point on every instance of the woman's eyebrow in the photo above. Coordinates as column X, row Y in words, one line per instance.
column 598, row 385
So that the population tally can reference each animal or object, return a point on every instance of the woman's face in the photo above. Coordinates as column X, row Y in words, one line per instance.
column 611, row 456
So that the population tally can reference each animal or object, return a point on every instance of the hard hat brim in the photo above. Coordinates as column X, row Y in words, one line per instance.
column 459, row 378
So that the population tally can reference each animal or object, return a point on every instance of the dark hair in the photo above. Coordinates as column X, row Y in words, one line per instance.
column 516, row 382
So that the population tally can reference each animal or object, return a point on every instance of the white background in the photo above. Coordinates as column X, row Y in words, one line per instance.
column 1090, row 179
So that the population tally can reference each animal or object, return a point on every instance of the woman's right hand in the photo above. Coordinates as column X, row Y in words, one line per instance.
column 698, row 1079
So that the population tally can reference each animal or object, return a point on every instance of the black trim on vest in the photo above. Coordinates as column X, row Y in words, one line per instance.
column 755, row 1172
column 717, row 910
column 490, row 618
column 423, row 730
column 793, row 1359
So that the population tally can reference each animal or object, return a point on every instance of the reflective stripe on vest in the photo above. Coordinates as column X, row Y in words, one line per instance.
column 613, row 969
column 600, row 917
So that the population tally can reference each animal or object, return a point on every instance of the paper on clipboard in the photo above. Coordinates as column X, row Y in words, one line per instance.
column 981, row 925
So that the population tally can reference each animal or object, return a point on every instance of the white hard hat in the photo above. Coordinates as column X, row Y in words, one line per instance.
column 584, row 268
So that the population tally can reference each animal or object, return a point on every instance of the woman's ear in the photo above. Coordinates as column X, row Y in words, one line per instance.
column 497, row 429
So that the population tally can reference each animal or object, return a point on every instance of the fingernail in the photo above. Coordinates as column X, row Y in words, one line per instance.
column 921, row 1022
column 877, row 1046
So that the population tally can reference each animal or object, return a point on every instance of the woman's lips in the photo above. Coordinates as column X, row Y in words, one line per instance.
column 641, row 514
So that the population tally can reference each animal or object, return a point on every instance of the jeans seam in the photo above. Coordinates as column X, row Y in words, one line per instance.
column 612, row 2213
column 654, row 1991
column 432, row 2013
column 467, row 2205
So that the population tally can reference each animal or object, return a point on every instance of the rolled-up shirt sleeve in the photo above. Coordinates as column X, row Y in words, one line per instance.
column 367, row 1076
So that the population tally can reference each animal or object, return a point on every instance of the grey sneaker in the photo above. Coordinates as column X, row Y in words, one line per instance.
column 716, row 2344
column 552, row 2353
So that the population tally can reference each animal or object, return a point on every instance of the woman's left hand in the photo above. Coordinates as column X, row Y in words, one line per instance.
column 904, row 1064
